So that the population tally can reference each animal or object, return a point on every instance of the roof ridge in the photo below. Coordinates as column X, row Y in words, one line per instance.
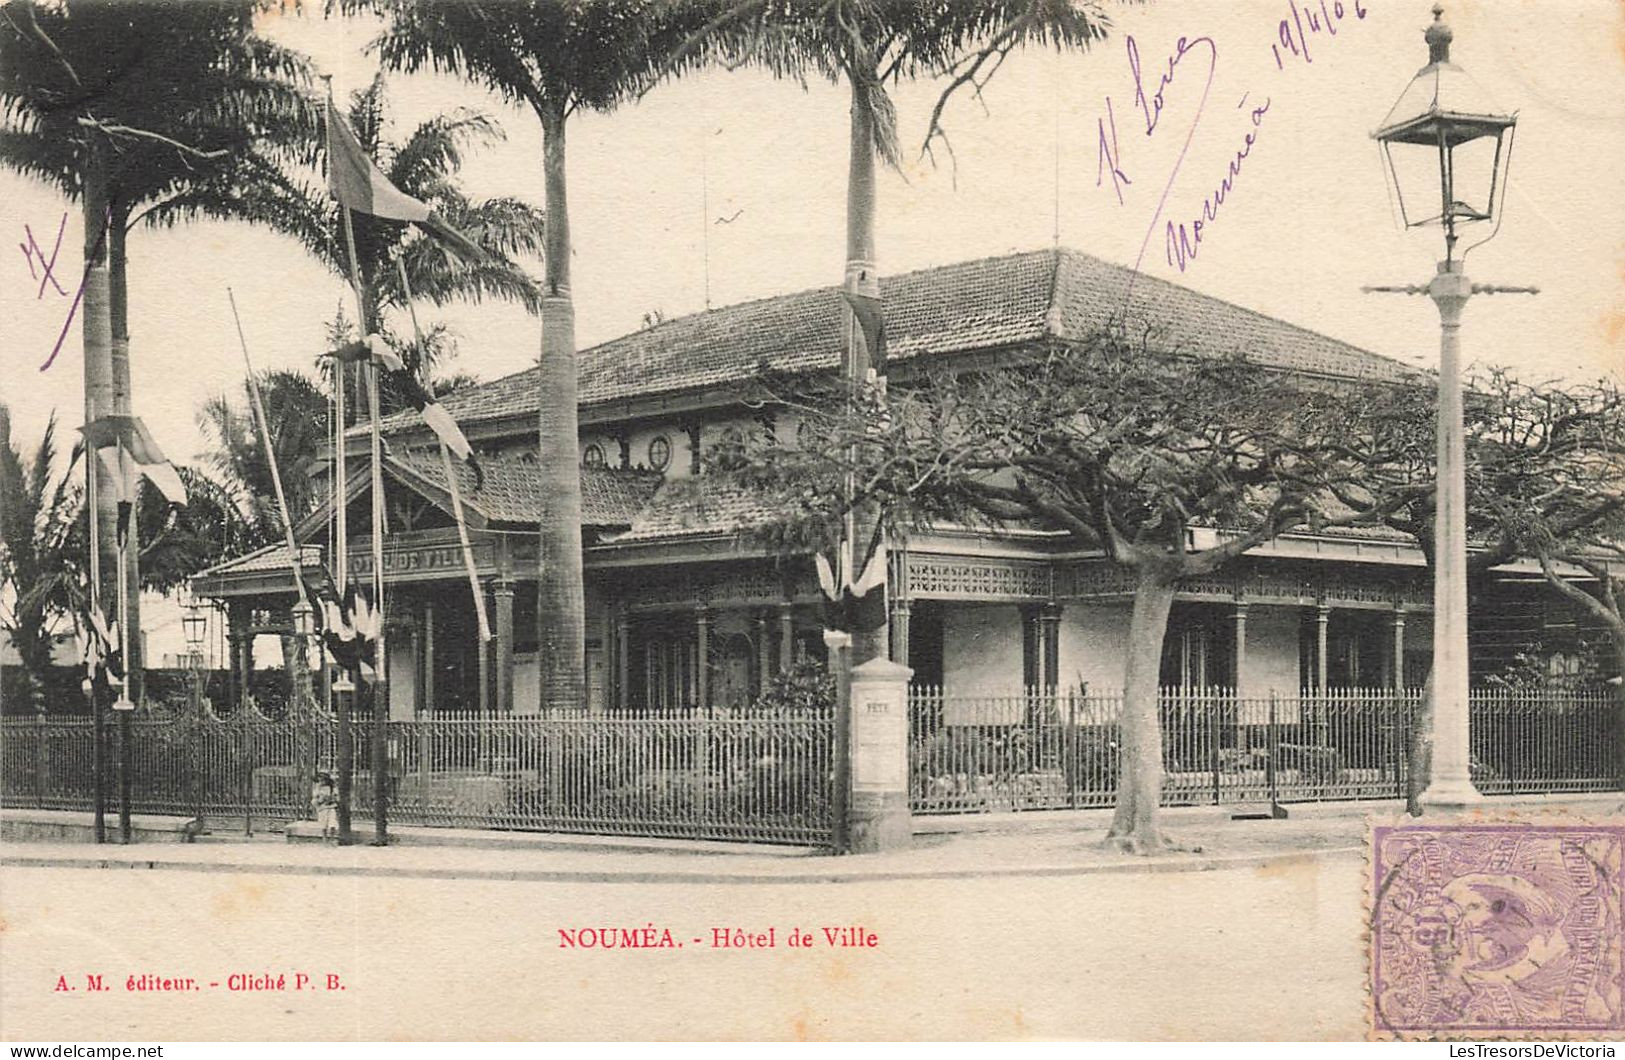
column 1073, row 252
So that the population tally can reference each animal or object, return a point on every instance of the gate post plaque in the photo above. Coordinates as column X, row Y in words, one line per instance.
column 877, row 811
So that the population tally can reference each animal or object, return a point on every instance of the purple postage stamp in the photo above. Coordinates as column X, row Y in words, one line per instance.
column 1497, row 929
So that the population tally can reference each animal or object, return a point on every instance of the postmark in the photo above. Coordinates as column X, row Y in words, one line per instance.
column 1497, row 929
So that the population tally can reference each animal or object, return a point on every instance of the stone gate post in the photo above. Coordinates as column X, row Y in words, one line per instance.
column 877, row 804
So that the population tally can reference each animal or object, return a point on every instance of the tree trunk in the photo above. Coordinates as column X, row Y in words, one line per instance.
column 1134, row 826
column 96, row 320
column 1420, row 770
column 861, row 278
column 118, row 300
column 561, row 621
column 1618, row 636
column 98, row 370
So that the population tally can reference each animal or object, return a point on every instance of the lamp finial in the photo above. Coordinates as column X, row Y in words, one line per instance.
column 1439, row 35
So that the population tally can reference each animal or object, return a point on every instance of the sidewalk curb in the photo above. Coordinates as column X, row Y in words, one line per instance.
column 856, row 874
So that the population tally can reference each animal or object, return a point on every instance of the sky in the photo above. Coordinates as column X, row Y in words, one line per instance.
column 729, row 186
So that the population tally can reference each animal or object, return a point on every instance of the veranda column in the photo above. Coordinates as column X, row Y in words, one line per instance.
column 1238, row 618
column 1396, row 672
column 702, row 657
column 1323, row 617
column 1049, row 621
column 900, row 614
column 764, row 657
column 428, row 659
column 787, row 635
column 623, row 658
column 502, row 594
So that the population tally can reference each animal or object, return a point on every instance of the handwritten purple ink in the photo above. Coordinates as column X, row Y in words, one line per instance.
column 1183, row 244
column 1297, row 44
column 31, row 251
column 1110, row 159
column 1152, row 107
column 1184, row 47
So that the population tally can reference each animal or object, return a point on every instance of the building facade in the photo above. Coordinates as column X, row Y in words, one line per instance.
column 685, row 608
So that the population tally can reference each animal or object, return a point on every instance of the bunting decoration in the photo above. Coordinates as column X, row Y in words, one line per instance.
column 98, row 650
column 871, row 325
column 850, row 602
column 349, row 623
column 126, row 448
column 356, row 183
column 374, row 349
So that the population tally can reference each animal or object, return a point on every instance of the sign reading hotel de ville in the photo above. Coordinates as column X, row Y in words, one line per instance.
column 1251, row 577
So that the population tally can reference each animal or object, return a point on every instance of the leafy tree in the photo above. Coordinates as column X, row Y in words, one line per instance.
column 871, row 45
column 1545, row 479
column 557, row 57
column 39, row 563
column 1131, row 449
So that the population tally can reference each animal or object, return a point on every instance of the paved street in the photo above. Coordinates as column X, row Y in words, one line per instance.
column 1231, row 953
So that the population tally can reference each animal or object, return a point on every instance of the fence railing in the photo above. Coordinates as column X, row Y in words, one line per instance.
column 760, row 778
column 1055, row 749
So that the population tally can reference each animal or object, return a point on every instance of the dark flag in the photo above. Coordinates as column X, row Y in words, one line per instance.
column 355, row 182
column 853, row 601
column 872, row 324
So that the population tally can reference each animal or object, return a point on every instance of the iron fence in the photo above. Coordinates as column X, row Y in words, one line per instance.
column 1056, row 749
column 767, row 779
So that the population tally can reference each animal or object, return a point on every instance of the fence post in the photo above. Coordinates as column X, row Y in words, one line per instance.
column 1272, row 741
column 247, row 778
column 41, row 760
column 1071, row 748
column 1211, row 698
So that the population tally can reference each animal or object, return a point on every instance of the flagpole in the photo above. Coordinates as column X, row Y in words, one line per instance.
column 380, row 700
column 98, row 720
column 341, row 704
column 123, row 704
column 296, row 680
column 457, row 512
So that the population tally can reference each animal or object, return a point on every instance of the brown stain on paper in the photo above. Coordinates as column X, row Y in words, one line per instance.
column 239, row 900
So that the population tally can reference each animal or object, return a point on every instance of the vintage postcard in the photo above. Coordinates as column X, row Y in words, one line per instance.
column 812, row 520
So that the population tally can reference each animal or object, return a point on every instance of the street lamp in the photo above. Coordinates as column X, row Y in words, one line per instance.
column 304, row 627
column 1444, row 138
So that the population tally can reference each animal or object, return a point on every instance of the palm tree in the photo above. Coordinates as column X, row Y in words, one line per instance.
column 131, row 108
column 869, row 45
column 39, row 560
column 557, row 57
column 296, row 412
column 425, row 166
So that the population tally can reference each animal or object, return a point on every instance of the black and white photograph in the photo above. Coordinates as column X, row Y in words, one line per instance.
column 811, row 520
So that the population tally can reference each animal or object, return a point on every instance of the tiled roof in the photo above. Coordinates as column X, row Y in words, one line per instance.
column 269, row 558
column 973, row 305
column 512, row 490
column 688, row 507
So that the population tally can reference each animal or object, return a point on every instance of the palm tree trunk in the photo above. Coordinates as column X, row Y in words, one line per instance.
column 1134, row 825
column 118, row 308
column 98, row 341
column 861, row 278
column 96, row 320
column 561, row 622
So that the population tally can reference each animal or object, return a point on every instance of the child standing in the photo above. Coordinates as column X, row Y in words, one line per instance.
column 326, row 802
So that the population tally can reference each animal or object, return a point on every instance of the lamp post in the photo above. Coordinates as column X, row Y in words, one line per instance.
column 1444, row 138
column 193, row 625
column 304, row 627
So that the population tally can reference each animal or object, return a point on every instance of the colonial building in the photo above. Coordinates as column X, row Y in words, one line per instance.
column 685, row 608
